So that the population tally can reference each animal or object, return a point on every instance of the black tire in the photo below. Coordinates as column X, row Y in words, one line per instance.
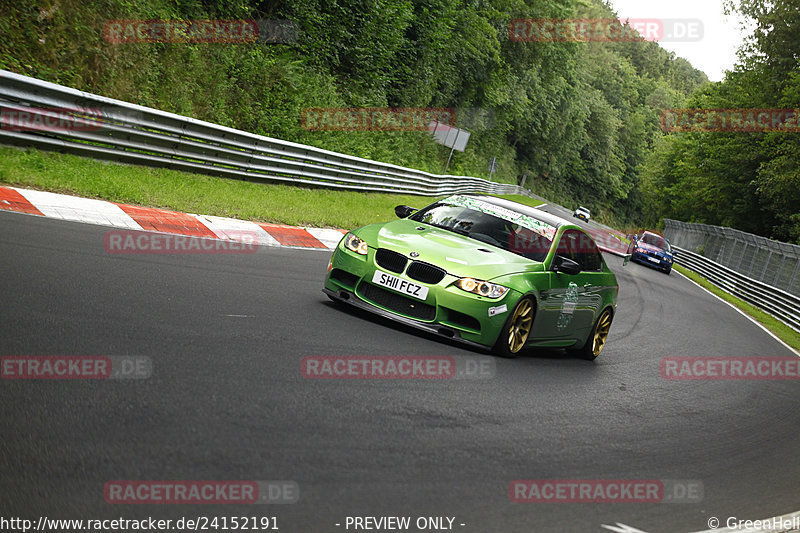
column 668, row 270
column 595, row 343
column 516, row 329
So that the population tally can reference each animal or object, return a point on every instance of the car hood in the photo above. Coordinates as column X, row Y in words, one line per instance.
column 458, row 254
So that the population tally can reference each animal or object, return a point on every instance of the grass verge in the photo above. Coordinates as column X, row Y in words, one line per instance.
column 781, row 330
column 198, row 193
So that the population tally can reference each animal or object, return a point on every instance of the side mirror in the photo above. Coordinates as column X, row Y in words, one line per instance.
column 403, row 211
column 566, row 266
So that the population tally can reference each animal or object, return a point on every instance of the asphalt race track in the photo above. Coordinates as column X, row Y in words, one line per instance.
column 226, row 400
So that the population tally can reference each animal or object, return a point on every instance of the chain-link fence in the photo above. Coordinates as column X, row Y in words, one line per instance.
column 772, row 262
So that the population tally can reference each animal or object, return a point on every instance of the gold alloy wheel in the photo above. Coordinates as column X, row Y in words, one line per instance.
column 520, row 326
column 601, row 332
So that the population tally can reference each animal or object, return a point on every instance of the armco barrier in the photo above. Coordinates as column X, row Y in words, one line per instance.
column 48, row 116
column 776, row 302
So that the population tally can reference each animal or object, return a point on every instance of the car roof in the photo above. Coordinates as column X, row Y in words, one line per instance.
column 553, row 220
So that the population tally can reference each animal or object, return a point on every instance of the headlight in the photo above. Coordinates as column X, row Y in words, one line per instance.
column 640, row 250
column 481, row 288
column 354, row 244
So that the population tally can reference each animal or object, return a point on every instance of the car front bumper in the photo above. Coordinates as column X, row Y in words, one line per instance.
column 350, row 298
column 447, row 311
column 644, row 259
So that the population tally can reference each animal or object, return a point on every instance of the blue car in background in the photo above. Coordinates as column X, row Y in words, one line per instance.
column 652, row 250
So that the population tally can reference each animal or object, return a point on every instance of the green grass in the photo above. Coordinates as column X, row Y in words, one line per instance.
column 197, row 193
column 781, row 330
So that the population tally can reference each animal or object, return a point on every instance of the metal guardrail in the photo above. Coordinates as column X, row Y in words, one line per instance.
column 108, row 129
column 776, row 302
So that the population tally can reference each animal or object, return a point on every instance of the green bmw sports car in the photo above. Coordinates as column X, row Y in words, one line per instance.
column 485, row 271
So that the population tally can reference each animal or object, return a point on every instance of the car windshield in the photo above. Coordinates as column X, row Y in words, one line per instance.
column 655, row 240
column 487, row 228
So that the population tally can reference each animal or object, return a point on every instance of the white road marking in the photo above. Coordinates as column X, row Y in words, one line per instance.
column 622, row 528
column 78, row 209
column 328, row 237
column 237, row 230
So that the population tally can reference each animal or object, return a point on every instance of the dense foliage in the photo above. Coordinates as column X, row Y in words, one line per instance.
column 750, row 181
column 574, row 121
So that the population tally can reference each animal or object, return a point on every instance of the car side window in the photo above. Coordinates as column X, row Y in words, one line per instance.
column 579, row 247
column 528, row 243
column 566, row 245
column 592, row 260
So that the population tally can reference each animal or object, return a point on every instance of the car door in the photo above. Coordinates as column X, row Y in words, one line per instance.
column 569, row 305
column 592, row 282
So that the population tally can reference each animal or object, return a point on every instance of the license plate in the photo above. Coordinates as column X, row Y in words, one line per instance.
column 400, row 285
column 654, row 259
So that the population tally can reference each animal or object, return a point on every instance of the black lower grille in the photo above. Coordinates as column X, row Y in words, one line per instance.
column 391, row 260
column 397, row 303
column 344, row 277
column 425, row 272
